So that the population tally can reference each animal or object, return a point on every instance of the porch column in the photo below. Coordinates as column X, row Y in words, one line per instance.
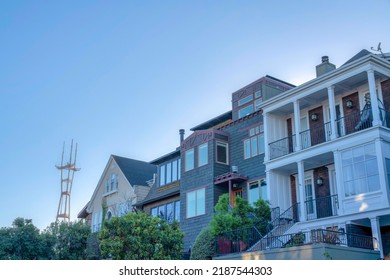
column 339, row 182
column 265, row 126
column 376, row 233
column 332, row 109
column 230, row 192
column 301, row 191
column 297, row 123
column 268, row 180
column 374, row 98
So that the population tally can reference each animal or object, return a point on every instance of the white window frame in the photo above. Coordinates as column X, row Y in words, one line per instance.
column 197, row 212
column 192, row 151
column 201, row 148
column 226, row 145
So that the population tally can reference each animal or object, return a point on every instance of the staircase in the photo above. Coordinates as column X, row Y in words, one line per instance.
column 279, row 226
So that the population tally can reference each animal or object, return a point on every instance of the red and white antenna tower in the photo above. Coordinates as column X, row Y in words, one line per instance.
column 67, row 174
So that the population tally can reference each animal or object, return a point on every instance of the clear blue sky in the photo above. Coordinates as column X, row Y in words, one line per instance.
column 122, row 77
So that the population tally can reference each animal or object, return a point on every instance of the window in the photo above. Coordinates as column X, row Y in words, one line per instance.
column 112, row 183
column 254, row 145
column 168, row 212
column 245, row 111
column 203, row 154
column 97, row 221
column 189, row 158
column 170, row 172
column 245, row 100
column 162, row 175
column 360, row 170
column 257, row 190
column 222, row 153
column 196, row 203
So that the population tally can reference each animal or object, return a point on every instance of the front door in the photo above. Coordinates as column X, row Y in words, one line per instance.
column 310, row 199
column 235, row 193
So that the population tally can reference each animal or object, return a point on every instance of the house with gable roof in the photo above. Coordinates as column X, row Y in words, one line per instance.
column 123, row 183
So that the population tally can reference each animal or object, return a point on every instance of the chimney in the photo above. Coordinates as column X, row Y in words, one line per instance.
column 324, row 67
column 181, row 132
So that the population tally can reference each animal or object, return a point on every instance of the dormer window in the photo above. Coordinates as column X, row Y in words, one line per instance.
column 170, row 172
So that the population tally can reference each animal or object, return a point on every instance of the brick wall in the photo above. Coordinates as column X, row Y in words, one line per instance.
column 317, row 131
column 351, row 122
column 386, row 94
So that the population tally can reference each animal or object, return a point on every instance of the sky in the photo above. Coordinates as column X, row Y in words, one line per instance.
column 122, row 77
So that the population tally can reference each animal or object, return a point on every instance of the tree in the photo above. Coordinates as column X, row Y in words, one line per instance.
column 69, row 240
column 243, row 215
column 22, row 241
column 140, row 237
column 204, row 246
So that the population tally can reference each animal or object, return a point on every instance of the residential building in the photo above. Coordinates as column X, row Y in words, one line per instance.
column 225, row 155
column 327, row 157
column 124, row 182
column 163, row 199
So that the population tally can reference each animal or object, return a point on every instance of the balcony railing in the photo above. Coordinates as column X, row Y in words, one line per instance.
column 345, row 125
column 317, row 236
column 322, row 207
column 282, row 147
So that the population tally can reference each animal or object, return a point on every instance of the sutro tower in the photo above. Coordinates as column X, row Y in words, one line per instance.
column 67, row 175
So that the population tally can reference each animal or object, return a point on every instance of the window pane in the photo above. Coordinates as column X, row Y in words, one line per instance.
column 177, row 210
column 254, row 146
column 169, row 173
column 153, row 212
column 203, row 154
column 162, row 175
column 245, row 111
column 254, row 193
column 258, row 94
column 245, row 100
column 349, row 188
column 191, row 204
column 369, row 151
column 258, row 104
column 359, row 170
column 222, row 153
column 373, row 183
column 247, row 148
column 161, row 212
column 372, row 167
column 346, row 157
column 174, row 170
column 189, row 159
column 170, row 212
column 200, row 202
column 261, row 144
column 348, row 173
column 358, row 154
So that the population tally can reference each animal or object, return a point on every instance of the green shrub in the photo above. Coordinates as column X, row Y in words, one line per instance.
column 204, row 246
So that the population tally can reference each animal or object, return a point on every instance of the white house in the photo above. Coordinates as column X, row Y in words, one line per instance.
column 328, row 155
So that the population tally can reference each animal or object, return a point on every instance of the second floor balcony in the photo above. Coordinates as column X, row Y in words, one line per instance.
column 348, row 124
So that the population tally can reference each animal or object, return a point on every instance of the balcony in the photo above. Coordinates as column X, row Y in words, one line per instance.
column 348, row 124
column 322, row 207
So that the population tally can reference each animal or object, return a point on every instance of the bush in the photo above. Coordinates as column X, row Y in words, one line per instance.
column 204, row 246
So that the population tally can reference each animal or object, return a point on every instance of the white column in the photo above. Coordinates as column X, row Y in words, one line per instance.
column 374, row 98
column 332, row 109
column 268, row 180
column 376, row 233
column 339, row 182
column 266, row 133
column 297, row 123
column 301, row 191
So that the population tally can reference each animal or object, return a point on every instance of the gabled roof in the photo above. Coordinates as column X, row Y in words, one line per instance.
column 136, row 172
column 360, row 54
column 159, row 193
